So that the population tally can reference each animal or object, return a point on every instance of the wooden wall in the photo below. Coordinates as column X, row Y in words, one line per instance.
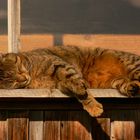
column 130, row 43
column 64, row 119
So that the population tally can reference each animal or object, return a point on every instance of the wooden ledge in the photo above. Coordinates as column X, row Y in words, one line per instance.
column 44, row 99
column 55, row 93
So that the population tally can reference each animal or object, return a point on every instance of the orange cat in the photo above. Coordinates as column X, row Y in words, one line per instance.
column 72, row 70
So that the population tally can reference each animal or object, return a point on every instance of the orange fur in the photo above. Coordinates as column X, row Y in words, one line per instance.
column 105, row 68
column 72, row 70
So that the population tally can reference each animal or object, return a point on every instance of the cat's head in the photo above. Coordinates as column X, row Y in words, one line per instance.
column 13, row 73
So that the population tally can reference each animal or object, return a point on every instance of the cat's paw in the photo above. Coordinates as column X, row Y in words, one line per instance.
column 93, row 107
column 133, row 88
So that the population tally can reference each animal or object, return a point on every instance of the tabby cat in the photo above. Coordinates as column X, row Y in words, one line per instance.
column 72, row 70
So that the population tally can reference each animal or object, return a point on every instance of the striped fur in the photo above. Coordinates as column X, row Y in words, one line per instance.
column 72, row 70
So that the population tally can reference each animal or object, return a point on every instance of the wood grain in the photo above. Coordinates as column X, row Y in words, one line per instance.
column 117, row 123
column 123, row 130
column 3, row 125
column 125, row 124
column 13, row 25
column 123, row 42
column 55, row 93
column 17, row 125
column 75, row 125
column 36, row 125
column 72, row 125
column 52, row 125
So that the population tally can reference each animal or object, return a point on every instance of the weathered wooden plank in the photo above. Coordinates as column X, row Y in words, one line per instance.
column 36, row 125
column 123, row 130
column 123, row 42
column 45, row 93
column 3, row 125
column 130, row 43
column 13, row 25
column 136, row 120
column 125, row 124
column 52, row 125
column 75, row 125
column 67, row 125
column 17, row 125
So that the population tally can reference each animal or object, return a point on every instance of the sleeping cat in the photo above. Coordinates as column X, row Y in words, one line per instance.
column 72, row 70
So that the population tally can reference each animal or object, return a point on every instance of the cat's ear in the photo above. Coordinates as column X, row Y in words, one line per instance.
column 18, row 60
column 11, row 58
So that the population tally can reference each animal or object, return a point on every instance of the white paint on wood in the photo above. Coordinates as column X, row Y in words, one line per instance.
column 55, row 93
column 13, row 25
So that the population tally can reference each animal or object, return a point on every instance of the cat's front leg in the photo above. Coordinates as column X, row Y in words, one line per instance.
column 71, row 81
column 92, row 106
